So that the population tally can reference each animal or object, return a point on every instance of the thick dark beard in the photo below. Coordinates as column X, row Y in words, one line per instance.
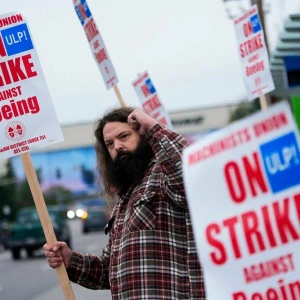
column 129, row 167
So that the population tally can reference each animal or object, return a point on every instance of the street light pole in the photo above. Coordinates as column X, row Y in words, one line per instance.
column 260, row 8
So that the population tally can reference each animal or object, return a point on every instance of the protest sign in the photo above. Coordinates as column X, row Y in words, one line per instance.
column 27, row 116
column 253, row 54
column 96, row 43
column 149, row 99
column 243, row 190
column 296, row 108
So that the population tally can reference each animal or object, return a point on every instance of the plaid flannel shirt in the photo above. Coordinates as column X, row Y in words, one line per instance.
column 151, row 253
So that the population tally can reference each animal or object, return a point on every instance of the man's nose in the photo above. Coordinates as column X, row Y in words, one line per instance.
column 119, row 146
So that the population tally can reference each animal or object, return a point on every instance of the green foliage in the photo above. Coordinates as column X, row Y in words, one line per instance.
column 8, row 192
column 57, row 195
column 17, row 194
column 24, row 195
column 244, row 109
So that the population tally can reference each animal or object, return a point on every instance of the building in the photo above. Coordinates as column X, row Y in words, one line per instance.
column 71, row 164
column 288, row 46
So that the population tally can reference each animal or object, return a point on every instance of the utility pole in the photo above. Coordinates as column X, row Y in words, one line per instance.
column 260, row 8
column 261, row 12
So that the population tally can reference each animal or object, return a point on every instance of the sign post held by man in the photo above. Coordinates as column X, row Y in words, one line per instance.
column 254, row 56
column 27, row 116
column 97, row 46
column 243, row 190
column 149, row 99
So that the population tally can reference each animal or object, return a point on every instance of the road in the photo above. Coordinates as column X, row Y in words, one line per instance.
column 33, row 279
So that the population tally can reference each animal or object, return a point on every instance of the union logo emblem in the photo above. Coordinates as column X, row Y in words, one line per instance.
column 15, row 131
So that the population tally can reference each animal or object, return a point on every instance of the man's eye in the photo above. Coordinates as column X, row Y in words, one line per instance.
column 108, row 145
column 124, row 136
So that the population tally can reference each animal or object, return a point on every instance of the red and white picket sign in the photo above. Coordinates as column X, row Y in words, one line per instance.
column 243, row 190
column 253, row 54
column 96, row 43
column 149, row 99
column 27, row 117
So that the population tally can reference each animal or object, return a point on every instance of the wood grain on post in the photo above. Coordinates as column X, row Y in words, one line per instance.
column 263, row 102
column 45, row 221
column 120, row 98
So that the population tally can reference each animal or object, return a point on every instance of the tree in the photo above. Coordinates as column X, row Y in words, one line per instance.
column 8, row 191
column 24, row 193
column 244, row 109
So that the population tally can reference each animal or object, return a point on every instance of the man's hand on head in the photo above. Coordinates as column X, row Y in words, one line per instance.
column 141, row 121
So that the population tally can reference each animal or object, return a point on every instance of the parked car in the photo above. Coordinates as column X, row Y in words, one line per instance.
column 94, row 218
column 27, row 232
column 77, row 209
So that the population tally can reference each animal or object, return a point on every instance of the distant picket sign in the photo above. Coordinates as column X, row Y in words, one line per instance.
column 253, row 54
column 243, row 190
column 149, row 99
column 27, row 117
column 96, row 43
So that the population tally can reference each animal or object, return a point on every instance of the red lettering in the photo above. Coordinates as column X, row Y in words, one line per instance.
column 259, row 231
column 252, row 233
column 295, row 290
column 230, row 223
column 297, row 204
column 28, row 66
column 270, row 124
column 257, row 296
column 101, row 55
column 247, row 28
column 269, row 268
column 251, row 45
column 2, row 48
column 242, row 53
column 255, row 68
column 284, row 224
column 284, row 291
column 20, row 69
column 82, row 11
column 145, row 90
column 91, row 29
column 163, row 121
column 239, row 296
column 235, row 182
column 96, row 44
column 268, row 227
column 220, row 257
column 151, row 104
column 5, row 73
column 15, row 69
column 254, row 174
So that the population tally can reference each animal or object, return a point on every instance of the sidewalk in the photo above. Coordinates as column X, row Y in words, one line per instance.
column 79, row 292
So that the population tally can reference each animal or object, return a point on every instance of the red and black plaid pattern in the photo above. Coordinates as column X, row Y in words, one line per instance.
column 151, row 252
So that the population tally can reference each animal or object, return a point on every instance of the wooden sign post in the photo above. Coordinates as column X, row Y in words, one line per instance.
column 45, row 220
column 263, row 102
column 119, row 96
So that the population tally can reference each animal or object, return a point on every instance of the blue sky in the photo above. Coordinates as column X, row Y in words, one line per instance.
column 188, row 47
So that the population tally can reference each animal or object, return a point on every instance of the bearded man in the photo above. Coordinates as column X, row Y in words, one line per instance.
column 151, row 252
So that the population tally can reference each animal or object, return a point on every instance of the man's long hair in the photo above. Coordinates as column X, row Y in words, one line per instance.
column 102, row 154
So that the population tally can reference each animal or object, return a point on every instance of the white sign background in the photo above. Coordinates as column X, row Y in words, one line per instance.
column 210, row 202
column 261, row 81
column 38, row 129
